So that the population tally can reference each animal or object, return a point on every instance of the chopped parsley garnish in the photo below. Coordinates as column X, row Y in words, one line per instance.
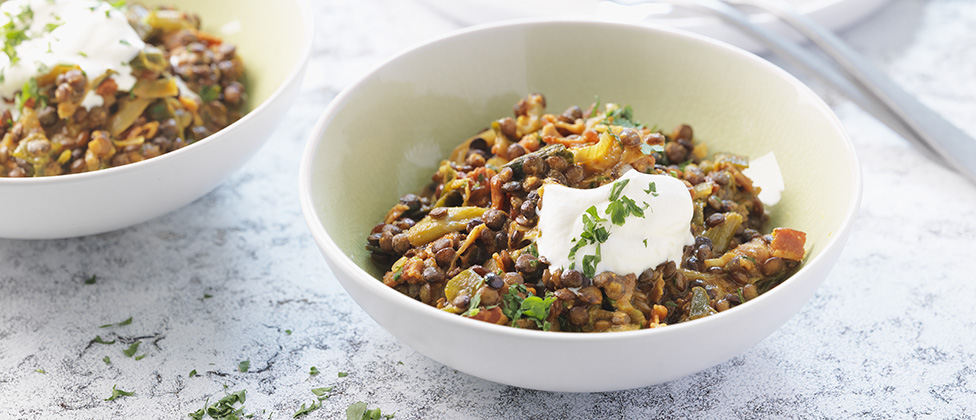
column 107, row 360
column 531, row 307
column 207, row 296
column 313, row 371
column 343, row 374
column 82, row 53
column 647, row 149
column 98, row 339
column 30, row 91
column 116, row 393
column 288, row 332
column 617, row 188
column 192, row 373
column 91, row 280
column 141, row 356
column 124, row 42
column 652, row 189
column 623, row 117
column 52, row 26
column 590, row 262
column 244, row 366
column 131, row 351
column 473, row 308
column 210, row 93
column 118, row 4
column 645, row 242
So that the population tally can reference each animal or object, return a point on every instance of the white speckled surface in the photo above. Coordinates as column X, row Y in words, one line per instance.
column 891, row 334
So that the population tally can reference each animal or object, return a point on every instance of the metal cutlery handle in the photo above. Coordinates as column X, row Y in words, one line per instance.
column 863, row 83
column 957, row 148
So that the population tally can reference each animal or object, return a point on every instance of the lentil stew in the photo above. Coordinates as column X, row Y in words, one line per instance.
column 182, row 85
column 469, row 242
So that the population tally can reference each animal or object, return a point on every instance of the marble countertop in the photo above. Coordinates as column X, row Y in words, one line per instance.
column 235, row 276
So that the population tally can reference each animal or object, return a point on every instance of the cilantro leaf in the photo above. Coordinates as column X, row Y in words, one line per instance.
column 356, row 411
column 98, row 339
column 652, row 189
column 123, row 323
column 131, row 351
column 618, row 187
column 305, row 410
column 648, row 149
column 319, row 392
column 116, row 393
column 210, row 93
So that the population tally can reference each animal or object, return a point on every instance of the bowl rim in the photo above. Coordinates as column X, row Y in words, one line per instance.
column 340, row 263
column 308, row 36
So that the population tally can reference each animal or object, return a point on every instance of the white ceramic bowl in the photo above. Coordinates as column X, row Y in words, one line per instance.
column 273, row 39
column 384, row 136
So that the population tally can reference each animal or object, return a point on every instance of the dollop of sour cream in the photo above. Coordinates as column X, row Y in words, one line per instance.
column 636, row 245
column 765, row 173
column 91, row 34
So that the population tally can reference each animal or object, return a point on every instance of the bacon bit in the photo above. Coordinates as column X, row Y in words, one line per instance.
column 491, row 316
column 107, row 87
column 530, row 143
column 206, row 37
column 788, row 243
column 497, row 195
column 658, row 312
column 413, row 271
column 189, row 104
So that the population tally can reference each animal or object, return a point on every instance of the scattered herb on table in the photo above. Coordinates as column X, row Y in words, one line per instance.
column 360, row 411
column 141, row 356
column 116, row 393
column 120, row 324
column 244, row 366
column 40, row 371
column 98, row 339
column 313, row 371
column 91, row 280
column 193, row 373
column 303, row 410
column 288, row 332
column 320, row 392
column 223, row 409
column 131, row 351
column 207, row 296
column 107, row 360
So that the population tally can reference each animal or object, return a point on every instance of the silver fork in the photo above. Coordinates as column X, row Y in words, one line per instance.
column 860, row 81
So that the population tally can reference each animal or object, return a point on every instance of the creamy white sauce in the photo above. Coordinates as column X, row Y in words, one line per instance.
column 666, row 225
column 89, row 33
column 765, row 174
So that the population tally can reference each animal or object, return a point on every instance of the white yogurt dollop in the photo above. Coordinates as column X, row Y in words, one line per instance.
column 765, row 173
column 88, row 33
column 640, row 243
